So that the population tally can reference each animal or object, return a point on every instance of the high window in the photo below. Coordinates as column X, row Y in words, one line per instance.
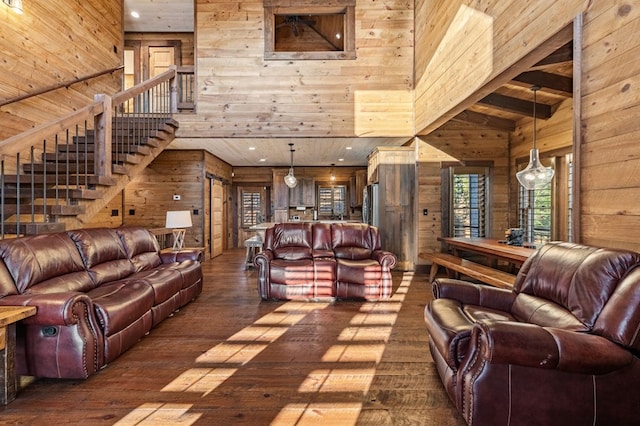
column 309, row 31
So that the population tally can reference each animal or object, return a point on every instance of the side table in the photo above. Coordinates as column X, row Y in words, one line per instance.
column 9, row 315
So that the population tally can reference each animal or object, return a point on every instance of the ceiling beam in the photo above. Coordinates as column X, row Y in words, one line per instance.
column 547, row 80
column 486, row 120
column 563, row 54
column 515, row 105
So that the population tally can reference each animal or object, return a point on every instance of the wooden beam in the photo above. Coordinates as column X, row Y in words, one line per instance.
column 547, row 80
column 563, row 54
column 486, row 120
column 518, row 106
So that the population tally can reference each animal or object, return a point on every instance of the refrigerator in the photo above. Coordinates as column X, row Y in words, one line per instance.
column 370, row 197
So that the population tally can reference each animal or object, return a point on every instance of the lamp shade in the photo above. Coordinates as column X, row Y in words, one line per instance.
column 178, row 219
column 535, row 175
column 290, row 180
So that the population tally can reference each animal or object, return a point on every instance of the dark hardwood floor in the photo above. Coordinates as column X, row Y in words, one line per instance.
column 228, row 358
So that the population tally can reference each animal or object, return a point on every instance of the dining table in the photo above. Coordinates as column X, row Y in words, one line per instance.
column 493, row 249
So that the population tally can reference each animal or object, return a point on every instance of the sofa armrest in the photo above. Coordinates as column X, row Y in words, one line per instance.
column 52, row 308
column 529, row 345
column 181, row 255
column 262, row 261
column 469, row 293
column 385, row 258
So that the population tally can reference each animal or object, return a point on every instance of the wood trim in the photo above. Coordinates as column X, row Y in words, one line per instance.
column 578, row 25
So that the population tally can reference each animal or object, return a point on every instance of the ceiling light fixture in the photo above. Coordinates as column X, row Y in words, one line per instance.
column 333, row 174
column 135, row 14
column 535, row 175
column 290, row 180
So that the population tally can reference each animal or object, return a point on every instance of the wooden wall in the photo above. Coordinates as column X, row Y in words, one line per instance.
column 54, row 43
column 463, row 44
column 610, row 145
column 459, row 142
column 241, row 94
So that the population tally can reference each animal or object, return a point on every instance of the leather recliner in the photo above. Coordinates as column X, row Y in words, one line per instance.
column 561, row 348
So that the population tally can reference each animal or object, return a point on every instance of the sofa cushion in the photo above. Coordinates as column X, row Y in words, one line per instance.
column 292, row 272
column 576, row 278
column 366, row 272
column 141, row 247
column 292, row 242
column 355, row 241
column 119, row 304
column 102, row 253
column 49, row 262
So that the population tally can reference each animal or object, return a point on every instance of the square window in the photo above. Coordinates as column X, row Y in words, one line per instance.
column 309, row 32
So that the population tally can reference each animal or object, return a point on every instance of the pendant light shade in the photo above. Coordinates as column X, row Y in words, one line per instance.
column 290, row 180
column 535, row 175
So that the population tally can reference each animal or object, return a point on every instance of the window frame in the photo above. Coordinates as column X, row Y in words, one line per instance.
column 448, row 172
column 280, row 7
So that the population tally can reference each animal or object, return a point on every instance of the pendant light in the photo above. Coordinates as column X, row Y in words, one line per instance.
column 290, row 180
column 535, row 175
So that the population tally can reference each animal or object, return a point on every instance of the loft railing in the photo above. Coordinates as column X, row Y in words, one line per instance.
column 47, row 170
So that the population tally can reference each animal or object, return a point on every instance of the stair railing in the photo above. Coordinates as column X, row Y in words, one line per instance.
column 38, row 186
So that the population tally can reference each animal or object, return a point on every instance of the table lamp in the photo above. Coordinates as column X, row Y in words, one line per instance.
column 178, row 221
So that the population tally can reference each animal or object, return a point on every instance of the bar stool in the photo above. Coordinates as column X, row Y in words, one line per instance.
column 254, row 246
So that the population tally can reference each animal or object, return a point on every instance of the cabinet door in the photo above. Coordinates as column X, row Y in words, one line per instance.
column 309, row 192
column 280, row 190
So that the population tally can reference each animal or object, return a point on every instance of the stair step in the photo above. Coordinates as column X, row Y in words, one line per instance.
column 32, row 228
column 51, row 210
column 84, row 181
column 115, row 149
column 51, row 193
column 72, row 157
column 74, row 169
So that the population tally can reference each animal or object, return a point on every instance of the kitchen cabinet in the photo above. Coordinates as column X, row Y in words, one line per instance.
column 304, row 194
column 280, row 196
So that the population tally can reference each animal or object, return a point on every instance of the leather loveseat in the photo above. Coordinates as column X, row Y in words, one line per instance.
column 315, row 260
column 97, row 292
column 561, row 348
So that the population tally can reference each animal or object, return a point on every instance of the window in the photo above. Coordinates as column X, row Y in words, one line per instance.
column 545, row 214
column 331, row 201
column 251, row 208
column 309, row 31
column 468, row 201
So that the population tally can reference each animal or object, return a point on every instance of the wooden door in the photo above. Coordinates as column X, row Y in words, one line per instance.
column 217, row 217
column 160, row 59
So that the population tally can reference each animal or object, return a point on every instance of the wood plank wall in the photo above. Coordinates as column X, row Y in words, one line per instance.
column 463, row 44
column 53, row 43
column 459, row 142
column 610, row 149
column 240, row 94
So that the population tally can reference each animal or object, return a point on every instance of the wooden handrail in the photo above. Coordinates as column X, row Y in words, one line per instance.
column 119, row 98
column 60, row 86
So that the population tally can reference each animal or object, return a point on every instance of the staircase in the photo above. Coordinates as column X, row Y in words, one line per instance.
column 59, row 175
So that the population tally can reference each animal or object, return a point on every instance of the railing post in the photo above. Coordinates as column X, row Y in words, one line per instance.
column 173, row 84
column 102, row 129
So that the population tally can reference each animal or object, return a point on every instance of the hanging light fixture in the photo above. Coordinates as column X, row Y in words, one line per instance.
column 16, row 5
column 333, row 174
column 535, row 175
column 290, row 180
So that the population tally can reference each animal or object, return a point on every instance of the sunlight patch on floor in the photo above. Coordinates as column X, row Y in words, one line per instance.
column 334, row 414
column 160, row 414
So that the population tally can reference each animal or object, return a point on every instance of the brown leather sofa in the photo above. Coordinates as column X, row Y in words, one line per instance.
column 314, row 260
column 97, row 292
column 560, row 349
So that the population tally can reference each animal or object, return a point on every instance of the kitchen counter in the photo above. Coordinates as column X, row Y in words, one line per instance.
column 262, row 227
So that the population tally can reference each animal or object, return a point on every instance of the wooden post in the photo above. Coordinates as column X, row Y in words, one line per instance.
column 103, row 132
column 173, row 84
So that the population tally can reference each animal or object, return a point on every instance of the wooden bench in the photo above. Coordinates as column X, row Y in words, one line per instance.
column 485, row 274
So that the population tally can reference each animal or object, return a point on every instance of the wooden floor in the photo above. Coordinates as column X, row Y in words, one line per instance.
column 228, row 358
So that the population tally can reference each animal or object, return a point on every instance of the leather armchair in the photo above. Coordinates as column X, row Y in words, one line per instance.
column 560, row 348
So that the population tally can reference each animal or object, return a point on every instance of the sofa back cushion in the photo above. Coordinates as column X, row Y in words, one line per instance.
column 45, row 263
column 564, row 279
column 354, row 241
column 290, row 241
column 103, row 254
column 322, row 240
column 141, row 247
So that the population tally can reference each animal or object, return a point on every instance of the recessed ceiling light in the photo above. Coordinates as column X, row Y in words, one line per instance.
column 262, row 160
column 135, row 14
column 340, row 159
column 348, row 147
column 252, row 148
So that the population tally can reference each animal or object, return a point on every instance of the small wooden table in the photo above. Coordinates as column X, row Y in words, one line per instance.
column 515, row 255
column 9, row 315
